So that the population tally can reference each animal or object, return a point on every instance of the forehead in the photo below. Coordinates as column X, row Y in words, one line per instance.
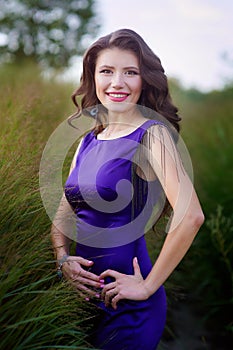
column 115, row 57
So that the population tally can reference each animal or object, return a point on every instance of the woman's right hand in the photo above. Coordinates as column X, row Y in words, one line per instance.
column 84, row 281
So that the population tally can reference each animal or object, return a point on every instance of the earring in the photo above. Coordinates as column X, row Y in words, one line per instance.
column 94, row 112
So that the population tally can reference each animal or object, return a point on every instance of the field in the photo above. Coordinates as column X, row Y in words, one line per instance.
column 38, row 312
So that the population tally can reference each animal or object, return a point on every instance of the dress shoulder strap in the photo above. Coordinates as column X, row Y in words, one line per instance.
column 143, row 129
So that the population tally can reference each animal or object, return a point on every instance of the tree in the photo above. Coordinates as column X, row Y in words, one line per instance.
column 50, row 31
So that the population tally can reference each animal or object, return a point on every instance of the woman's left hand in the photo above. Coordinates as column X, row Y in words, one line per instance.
column 124, row 287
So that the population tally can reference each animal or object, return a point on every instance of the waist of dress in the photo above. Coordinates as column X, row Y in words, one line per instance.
column 117, row 258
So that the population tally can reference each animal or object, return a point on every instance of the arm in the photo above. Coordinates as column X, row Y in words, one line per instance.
column 186, row 221
column 187, row 213
column 62, row 225
column 62, row 228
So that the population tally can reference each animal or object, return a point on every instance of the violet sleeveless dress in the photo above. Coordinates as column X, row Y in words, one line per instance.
column 113, row 205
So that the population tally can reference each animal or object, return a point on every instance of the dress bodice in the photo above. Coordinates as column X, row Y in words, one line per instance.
column 112, row 203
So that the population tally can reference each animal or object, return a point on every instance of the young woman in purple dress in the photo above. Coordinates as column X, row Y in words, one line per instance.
column 126, row 171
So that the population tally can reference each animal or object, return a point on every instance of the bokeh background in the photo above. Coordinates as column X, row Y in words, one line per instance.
column 41, row 44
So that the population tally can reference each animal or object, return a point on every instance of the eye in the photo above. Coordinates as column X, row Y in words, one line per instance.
column 106, row 71
column 131, row 72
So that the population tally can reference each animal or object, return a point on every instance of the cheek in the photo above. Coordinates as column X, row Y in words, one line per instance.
column 97, row 87
column 100, row 85
column 138, row 86
column 140, row 83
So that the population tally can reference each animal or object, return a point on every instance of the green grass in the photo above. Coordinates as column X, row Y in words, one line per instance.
column 38, row 312
column 207, row 131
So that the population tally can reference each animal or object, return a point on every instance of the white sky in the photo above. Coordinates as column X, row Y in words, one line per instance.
column 189, row 36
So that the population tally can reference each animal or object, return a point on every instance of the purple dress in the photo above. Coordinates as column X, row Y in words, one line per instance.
column 113, row 204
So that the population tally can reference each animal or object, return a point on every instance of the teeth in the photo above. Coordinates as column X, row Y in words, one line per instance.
column 117, row 95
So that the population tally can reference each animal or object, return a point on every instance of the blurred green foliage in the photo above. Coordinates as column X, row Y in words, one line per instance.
column 51, row 32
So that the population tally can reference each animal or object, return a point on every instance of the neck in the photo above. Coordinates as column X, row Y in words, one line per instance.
column 123, row 121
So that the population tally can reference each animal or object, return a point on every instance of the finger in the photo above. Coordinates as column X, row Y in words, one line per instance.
column 109, row 295
column 110, row 286
column 76, row 278
column 75, row 267
column 115, row 301
column 107, row 288
column 137, row 271
column 81, row 260
column 83, row 295
column 109, row 273
column 90, row 275
column 78, row 283
column 87, row 292
column 87, row 281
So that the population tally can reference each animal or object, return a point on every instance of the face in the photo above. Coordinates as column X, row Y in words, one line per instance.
column 117, row 79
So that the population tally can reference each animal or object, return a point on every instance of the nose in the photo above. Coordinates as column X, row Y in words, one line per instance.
column 118, row 81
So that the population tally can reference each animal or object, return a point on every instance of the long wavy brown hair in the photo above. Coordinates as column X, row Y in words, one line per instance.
column 155, row 93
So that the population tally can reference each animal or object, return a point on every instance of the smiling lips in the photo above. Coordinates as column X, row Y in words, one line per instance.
column 117, row 97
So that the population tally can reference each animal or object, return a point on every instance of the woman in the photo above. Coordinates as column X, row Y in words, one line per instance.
column 125, row 83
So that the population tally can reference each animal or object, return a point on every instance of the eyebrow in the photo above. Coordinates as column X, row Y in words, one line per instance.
column 111, row 67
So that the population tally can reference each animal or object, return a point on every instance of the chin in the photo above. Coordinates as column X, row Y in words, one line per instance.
column 120, row 107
